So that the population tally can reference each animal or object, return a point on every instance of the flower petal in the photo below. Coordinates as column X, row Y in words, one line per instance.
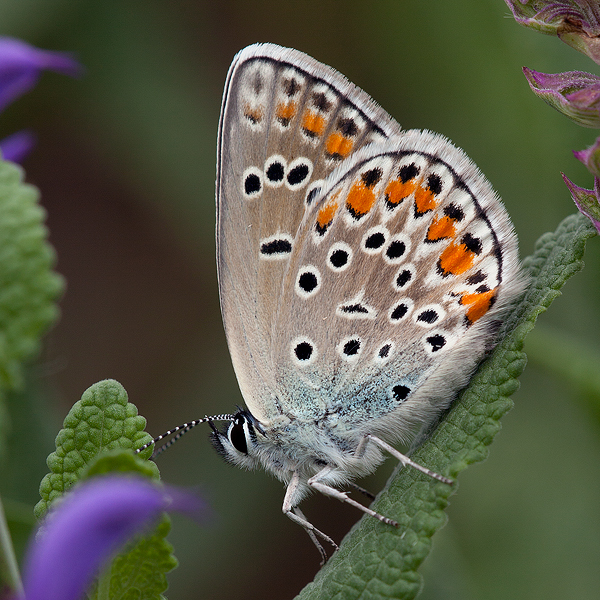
column 575, row 22
column 21, row 64
column 590, row 157
column 17, row 146
column 90, row 524
column 576, row 94
column 586, row 200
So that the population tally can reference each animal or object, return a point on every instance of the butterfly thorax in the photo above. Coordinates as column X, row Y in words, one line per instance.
column 291, row 446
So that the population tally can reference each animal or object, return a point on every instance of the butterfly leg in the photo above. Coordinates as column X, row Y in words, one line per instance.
column 313, row 537
column 399, row 456
column 296, row 515
column 317, row 483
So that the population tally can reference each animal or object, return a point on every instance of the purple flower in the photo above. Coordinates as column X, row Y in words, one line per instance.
column 88, row 526
column 590, row 157
column 20, row 69
column 576, row 94
column 586, row 200
column 575, row 22
column 17, row 146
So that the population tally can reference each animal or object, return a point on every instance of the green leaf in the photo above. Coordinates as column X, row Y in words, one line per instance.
column 98, row 435
column 28, row 286
column 377, row 561
column 102, row 420
column 139, row 572
column 120, row 461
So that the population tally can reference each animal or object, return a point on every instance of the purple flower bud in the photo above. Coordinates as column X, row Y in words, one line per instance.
column 17, row 146
column 575, row 22
column 586, row 200
column 21, row 65
column 590, row 157
column 20, row 69
column 576, row 94
column 88, row 526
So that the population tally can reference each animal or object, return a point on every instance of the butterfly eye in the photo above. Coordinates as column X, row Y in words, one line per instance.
column 237, row 435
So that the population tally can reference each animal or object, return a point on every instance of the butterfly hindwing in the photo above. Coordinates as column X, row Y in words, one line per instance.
column 398, row 270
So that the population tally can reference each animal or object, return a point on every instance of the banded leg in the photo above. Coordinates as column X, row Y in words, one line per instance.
column 399, row 456
column 327, row 490
column 295, row 514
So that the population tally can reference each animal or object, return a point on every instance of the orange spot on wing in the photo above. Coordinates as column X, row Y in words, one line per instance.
column 313, row 123
column 478, row 304
column 441, row 228
column 396, row 190
column 285, row 112
column 253, row 114
column 360, row 199
column 424, row 200
column 455, row 259
column 326, row 214
column 339, row 145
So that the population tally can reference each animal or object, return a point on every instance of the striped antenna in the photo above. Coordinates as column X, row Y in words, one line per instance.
column 181, row 430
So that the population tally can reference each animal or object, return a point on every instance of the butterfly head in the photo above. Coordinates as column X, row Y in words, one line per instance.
column 238, row 442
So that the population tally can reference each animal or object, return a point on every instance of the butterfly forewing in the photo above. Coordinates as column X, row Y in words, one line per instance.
column 287, row 122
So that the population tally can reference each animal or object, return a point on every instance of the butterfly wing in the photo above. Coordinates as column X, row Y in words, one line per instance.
column 400, row 272
column 287, row 122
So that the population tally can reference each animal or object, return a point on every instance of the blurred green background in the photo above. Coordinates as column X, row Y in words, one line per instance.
column 126, row 160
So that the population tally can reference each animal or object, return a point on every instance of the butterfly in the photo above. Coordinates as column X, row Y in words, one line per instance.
column 363, row 271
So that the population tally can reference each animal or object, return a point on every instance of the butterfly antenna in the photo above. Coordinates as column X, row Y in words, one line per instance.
column 181, row 430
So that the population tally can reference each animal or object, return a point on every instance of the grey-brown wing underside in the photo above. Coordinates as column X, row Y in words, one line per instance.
column 287, row 122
